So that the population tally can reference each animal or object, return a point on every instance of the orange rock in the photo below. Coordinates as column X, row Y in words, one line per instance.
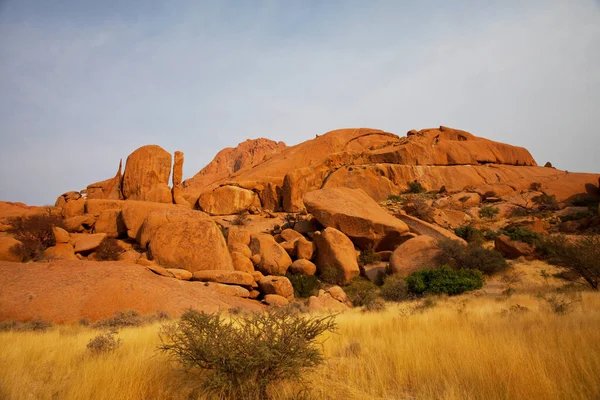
column 238, row 235
column 83, row 242
column 227, row 200
column 241, row 262
column 61, row 251
column 111, row 223
column 414, row 255
column 279, row 285
column 181, row 274
column 273, row 258
column 96, row 206
column 325, row 302
column 240, row 248
column 227, row 277
column 303, row 267
column 7, row 243
column 60, row 235
column 335, row 250
column 178, row 169
column 355, row 214
column 290, row 234
column 108, row 189
column 134, row 214
column 511, row 248
column 79, row 223
column 304, row 249
column 427, row 229
column 275, row 300
column 338, row 294
column 147, row 174
column 73, row 208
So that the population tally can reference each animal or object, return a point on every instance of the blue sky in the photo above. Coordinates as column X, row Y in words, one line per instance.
column 84, row 83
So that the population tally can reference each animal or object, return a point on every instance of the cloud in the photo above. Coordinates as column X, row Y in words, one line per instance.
column 84, row 87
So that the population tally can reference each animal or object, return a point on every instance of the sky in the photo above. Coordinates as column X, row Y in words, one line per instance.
column 84, row 83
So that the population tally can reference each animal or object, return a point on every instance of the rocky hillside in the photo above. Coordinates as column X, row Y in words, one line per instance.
column 263, row 210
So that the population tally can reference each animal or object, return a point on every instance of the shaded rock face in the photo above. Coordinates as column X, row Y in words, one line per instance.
column 354, row 213
column 178, row 169
column 108, row 189
column 147, row 174
column 336, row 255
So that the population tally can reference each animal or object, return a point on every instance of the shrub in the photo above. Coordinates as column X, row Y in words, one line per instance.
column 331, row 274
column 121, row 319
column 521, row 234
column 394, row 289
column 395, row 198
column 545, row 202
column 35, row 325
column 418, row 207
column 104, row 342
column 469, row 233
column 304, row 285
column 580, row 255
column 35, row 232
column 246, row 354
column 376, row 305
column 558, row 303
column 535, row 186
column 444, row 280
column 415, row 187
column 586, row 200
column 489, row 234
column 361, row 291
column 488, row 212
column 458, row 256
column 241, row 219
column 367, row 257
column 576, row 216
column 109, row 249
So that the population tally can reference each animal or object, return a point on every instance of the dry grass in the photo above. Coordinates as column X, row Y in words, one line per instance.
column 463, row 348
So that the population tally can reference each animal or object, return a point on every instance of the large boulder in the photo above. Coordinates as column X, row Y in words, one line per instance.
column 274, row 260
column 61, row 251
column 241, row 262
column 111, row 223
column 512, row 248
column 279, row 285
column 108, row 189
column 227, row 200
column 178, row 169
column 303, row 267
column 414, row 255
column 325, row 302
column 73, row 208
column 421, row 227
column 336, row 255
column 147, row 174
column 354, row 213
column 85, row 243
column 178, row 237
column 134, row 214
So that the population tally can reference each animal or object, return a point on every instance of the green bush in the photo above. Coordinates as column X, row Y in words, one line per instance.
column 576, row 216
column 304, row 285
column 395, row 198
column 415, row 187
column 361, row 291
column 394, row 289
column 488, row 212
column 580, row 255
column 367, row 257
column 444, row 280
column 331, row 274
column 469, row 233
column 244, row 355
column 545, row 202
column 458, row 256
column 521, row 234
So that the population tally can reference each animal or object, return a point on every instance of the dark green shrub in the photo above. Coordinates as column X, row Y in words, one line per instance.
column 469, row 233
column 521, row 234
column 367, row 257
column 576, row 216
column 488, row 212
column 535, row 186
column 244, row 355
column 331, row 274
column 394, row 289
column 35, row 232
column 109, row 250
column 444, row 280
column 395, row 198
column 415, row 187
column 458, row 256
column 580, row 255
column 361, row 291
column 304, row 285
column 489, row 234
column 545, row 202
column 376, row 305
column 586, row 200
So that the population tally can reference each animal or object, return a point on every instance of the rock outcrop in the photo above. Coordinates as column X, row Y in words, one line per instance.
column 336, row 257
column 147, row 174
column 413, row 255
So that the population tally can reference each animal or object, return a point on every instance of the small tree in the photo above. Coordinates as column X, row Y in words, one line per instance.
column 488, row 212
column 109, row 249
column 545, row 202
column 35, row 232
column 246, row 354
column 444, row 280
column 580, row 255
column 415, row 187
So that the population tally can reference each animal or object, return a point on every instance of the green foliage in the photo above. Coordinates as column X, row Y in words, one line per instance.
column 489, row 234
column 361, row 291
column 586, row 200
column 415, row 187
column 469, row 233
column 535, row 186
column 580, row 255
column 35, row 233
column 458, row 256
column 395, row 198
column 304, row 285
column 488, row 212
column 444, row 280
column 576, row 216
column 109, row 249
column 394, row 289
column 331, row 274
column 522, row 234
column 367, row 257
column 545, row 202
column 244, row 355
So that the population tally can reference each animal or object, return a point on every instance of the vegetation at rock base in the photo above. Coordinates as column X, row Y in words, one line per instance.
column 35, row 233
column 109, row 249
column 246, row 354
column 472, row 256
column 521, row 234
column 488, row 212
column 545, row 202
column 367, row 257
column 361, row 291
column 304, row 285
column 444, row 280
column 394, row 288
column 415, row 187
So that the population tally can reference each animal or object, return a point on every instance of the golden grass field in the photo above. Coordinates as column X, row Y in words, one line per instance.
column 465, row 347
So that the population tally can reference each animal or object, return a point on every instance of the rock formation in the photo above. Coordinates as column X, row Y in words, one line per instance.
column 147, row 174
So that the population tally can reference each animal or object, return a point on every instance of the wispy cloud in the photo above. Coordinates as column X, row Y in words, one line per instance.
column 82, row 87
